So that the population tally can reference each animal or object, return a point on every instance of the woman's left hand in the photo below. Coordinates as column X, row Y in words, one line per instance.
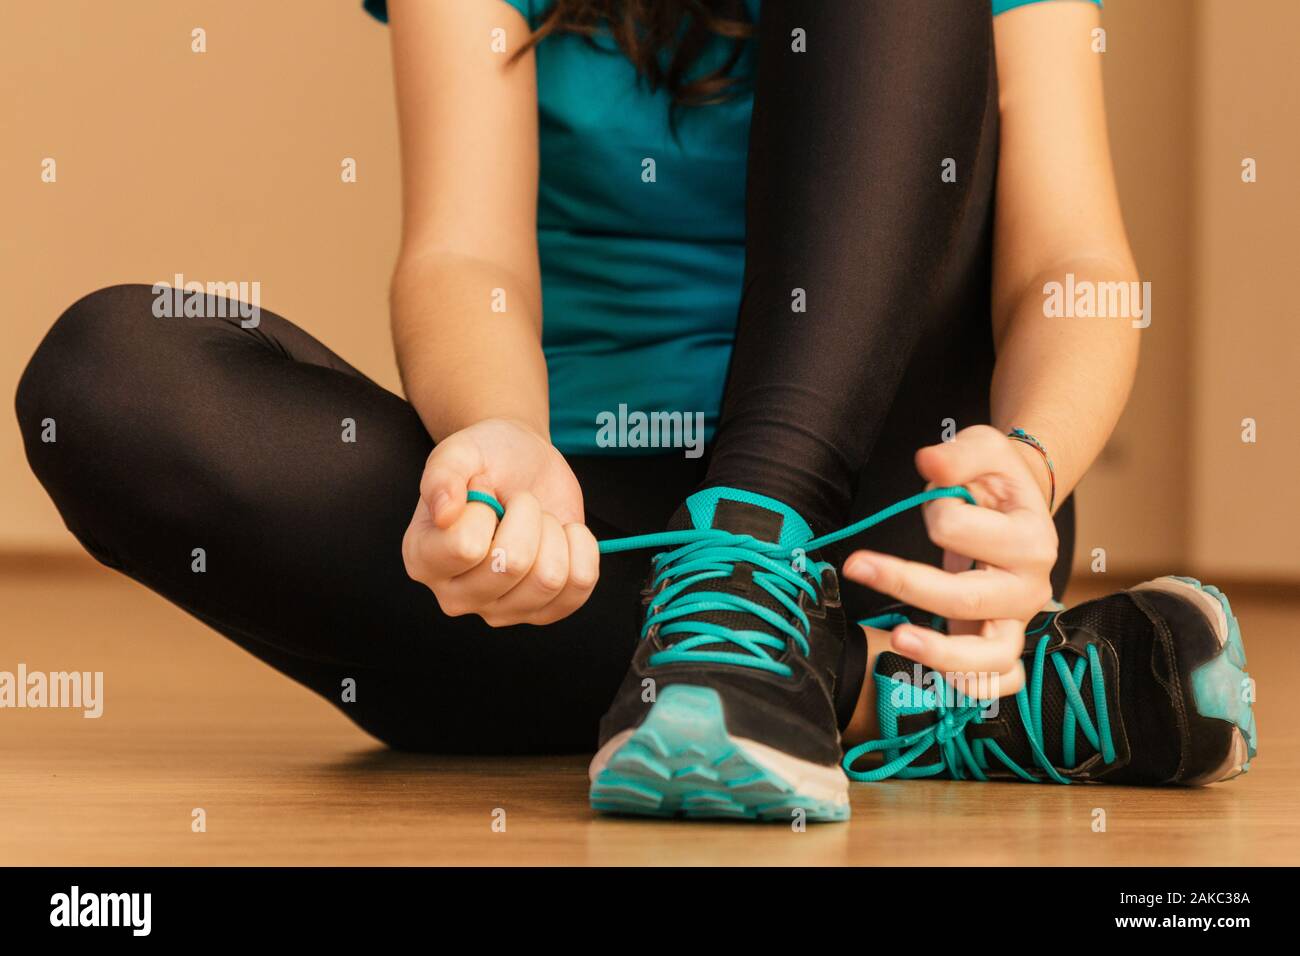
column 1010, row 538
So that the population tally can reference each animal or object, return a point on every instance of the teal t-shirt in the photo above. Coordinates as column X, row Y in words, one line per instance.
column 640, row 234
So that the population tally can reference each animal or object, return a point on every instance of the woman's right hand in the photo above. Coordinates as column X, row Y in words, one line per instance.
column 538, row 564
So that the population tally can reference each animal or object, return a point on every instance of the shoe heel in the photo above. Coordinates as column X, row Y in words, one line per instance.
column 1219, row 685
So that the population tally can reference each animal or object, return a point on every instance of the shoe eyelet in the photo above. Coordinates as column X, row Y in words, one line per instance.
column 648, row 593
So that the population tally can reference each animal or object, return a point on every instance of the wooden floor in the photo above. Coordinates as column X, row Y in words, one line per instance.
column 191, row 722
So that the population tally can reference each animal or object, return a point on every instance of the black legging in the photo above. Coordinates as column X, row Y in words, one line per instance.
column 846, row 202
column 186, row 433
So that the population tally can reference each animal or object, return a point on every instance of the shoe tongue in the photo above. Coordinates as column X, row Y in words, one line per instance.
column 740, row 512
column 745, row 512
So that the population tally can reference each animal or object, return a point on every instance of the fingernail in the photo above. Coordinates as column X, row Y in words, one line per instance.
column 860, row 569
column 909, row 642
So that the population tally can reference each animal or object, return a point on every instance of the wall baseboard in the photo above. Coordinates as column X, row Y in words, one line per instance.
column 1082, row 586
column 14, row 563
column 1091, row 585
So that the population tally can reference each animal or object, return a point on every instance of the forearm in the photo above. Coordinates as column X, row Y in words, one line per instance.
column 461, row 362
column 1064, row 380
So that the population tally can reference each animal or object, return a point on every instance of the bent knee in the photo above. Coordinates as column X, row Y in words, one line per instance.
column 88, row 365
column 87, row 338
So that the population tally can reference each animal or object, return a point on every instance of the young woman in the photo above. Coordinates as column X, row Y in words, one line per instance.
column 781, row 222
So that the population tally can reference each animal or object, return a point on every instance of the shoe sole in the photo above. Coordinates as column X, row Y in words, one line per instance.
column 1218, row 684
column 682, row 762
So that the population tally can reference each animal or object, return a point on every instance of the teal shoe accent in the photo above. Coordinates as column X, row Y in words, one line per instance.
column 681, row 761
column 702, row 505
column 1219, row 685
column 897, row 698
column 884, row 622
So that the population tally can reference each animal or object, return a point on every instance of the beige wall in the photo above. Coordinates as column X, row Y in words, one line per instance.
column 1193, row 88
column 1247, row 338
column 1141, row 521
column 221, row 166
column 225, row 166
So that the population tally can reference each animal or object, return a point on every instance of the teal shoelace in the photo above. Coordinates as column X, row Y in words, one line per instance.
column 697, row 555
column 963, row 758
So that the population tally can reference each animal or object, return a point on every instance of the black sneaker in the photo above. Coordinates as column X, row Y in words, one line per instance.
column 729, row 706
column 1147, row 686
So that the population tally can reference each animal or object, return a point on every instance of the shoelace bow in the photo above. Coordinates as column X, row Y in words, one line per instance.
column 962, row 757
column 698, row 555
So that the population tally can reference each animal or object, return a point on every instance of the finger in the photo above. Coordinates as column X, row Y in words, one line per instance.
column 416, row 529
column 1011, row 679
column 987, row 663
column 955, row 563
column 974, row 684
column 513, row 550
column 451, row 467
column 543, row 583
column 978, row 595
column 990, row 686
column 1015, row 540
column 584, row 571
column 979, row 451
column 440, row 555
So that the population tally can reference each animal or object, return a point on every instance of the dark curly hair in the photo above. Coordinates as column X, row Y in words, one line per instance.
column 645, row 29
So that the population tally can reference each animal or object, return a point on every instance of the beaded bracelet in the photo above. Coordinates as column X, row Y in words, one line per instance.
column 1020, row 435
